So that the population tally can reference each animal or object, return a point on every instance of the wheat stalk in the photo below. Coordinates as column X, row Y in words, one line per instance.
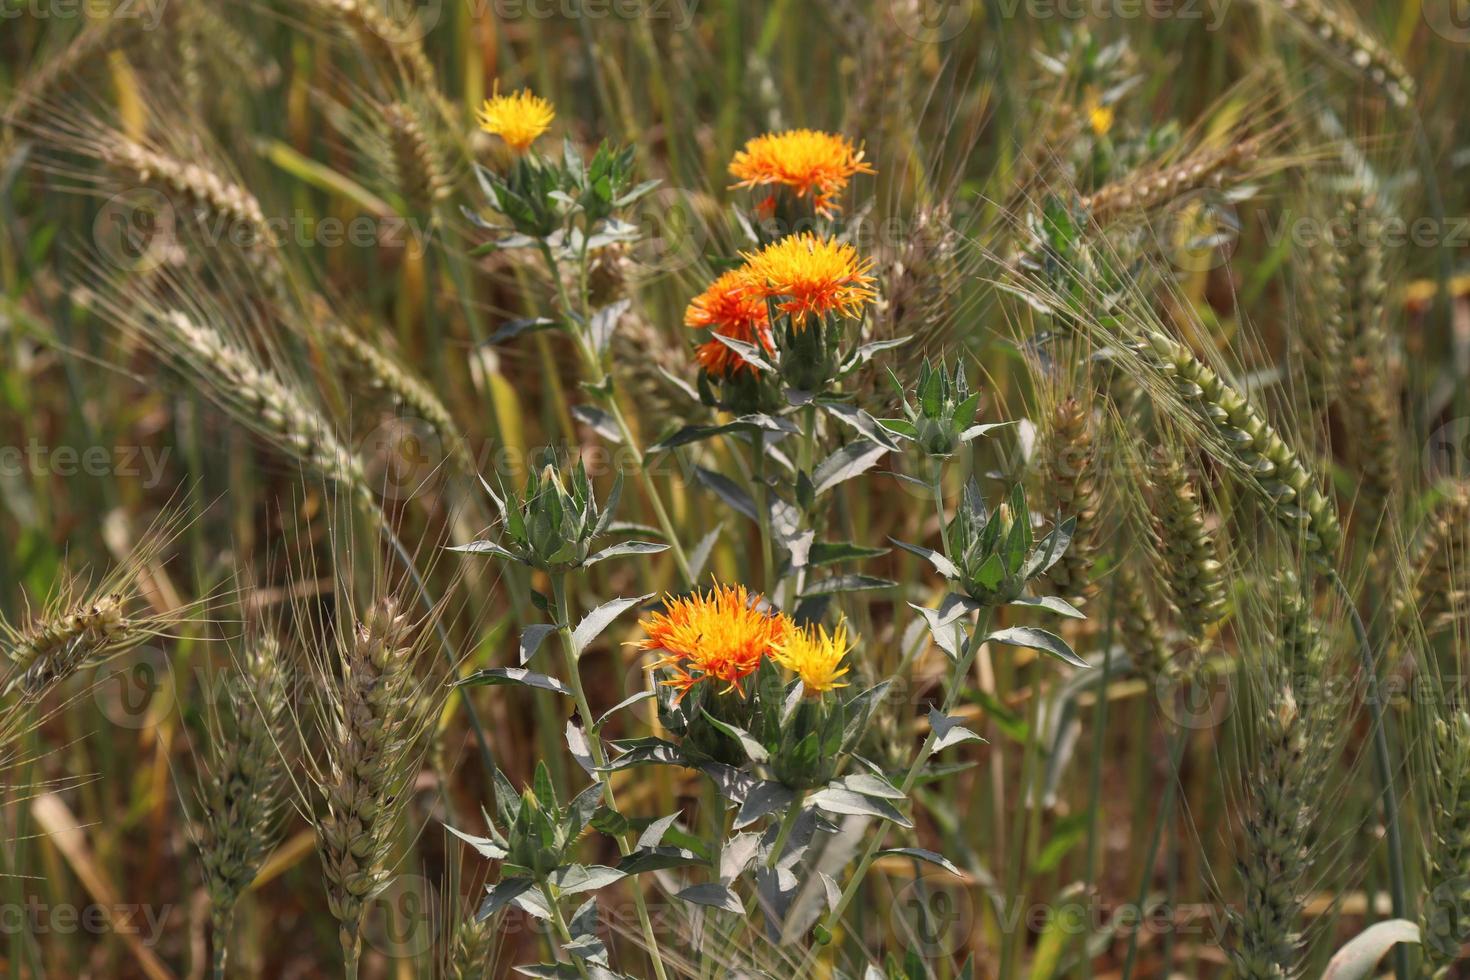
column 374, row 738
column 244, row 785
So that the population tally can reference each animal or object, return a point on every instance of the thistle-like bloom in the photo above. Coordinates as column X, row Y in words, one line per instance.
column 731, row 308
column 719, row 636
column 815, row 656
column 808, row 275
column 518, row 119
column 807, row 161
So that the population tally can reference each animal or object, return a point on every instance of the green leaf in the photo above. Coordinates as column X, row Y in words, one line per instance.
column 1038, row 639
column 713, row 895
column 931, row 856
column 852, row 460
column 846, row 583
column 831, row 552
column 941, row 564
column 840, row 800
column 753, row 749
column 484, row 845
column 949, row 731
column 531, row 639
column 624, row 550
column 517, row 328
column 600, row 619
column 1050, row 603
column 496, row 676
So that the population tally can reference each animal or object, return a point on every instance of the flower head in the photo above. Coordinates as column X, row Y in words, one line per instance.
column 815, row 656
column 807, row 161
column 518, row 119
column 808, row 275
column 719, row 636
column 731, row 308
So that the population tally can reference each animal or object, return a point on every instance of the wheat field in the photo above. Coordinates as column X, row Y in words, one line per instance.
column 871, row 489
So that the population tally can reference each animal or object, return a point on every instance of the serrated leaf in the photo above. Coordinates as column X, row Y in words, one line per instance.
column 624, row 550
column 501, row 894
column 930, row 856
column 599, row 619
column 846, row 583
column 831, row 552
column 727, row 490
column 1038, row 639
column 1050, row 603
column 646, row 859
column 838, row 799
column 496, row 676
column 484, row 845
column 575, row 878
column 627, row 702
column 753, row 749
column 713, row 895
column 852, row 460
column 531, row 639
column 949, row 731
column 941, row 564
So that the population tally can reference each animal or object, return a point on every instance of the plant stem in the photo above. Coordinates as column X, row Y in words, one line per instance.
column 961, row 670
column 599, row 755
column 592, row 362
column 763, row 514
column 1383, row 770
column 561, row 927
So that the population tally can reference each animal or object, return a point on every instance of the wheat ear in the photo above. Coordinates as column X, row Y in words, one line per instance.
column 1069, row 471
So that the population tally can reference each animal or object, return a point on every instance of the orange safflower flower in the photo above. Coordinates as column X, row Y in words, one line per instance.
column 731, row 308
column 718, row 636
column 807, row 161
column 808, row 275
column 518, row 119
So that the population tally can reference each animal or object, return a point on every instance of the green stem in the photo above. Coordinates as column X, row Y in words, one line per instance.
column 561, row 927
column 599, row 755
column 961, row 670
column 1383, row 770
column 763, row 514
column 593, row 364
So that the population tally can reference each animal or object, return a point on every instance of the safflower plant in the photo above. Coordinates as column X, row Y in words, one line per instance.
column 767, row 693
